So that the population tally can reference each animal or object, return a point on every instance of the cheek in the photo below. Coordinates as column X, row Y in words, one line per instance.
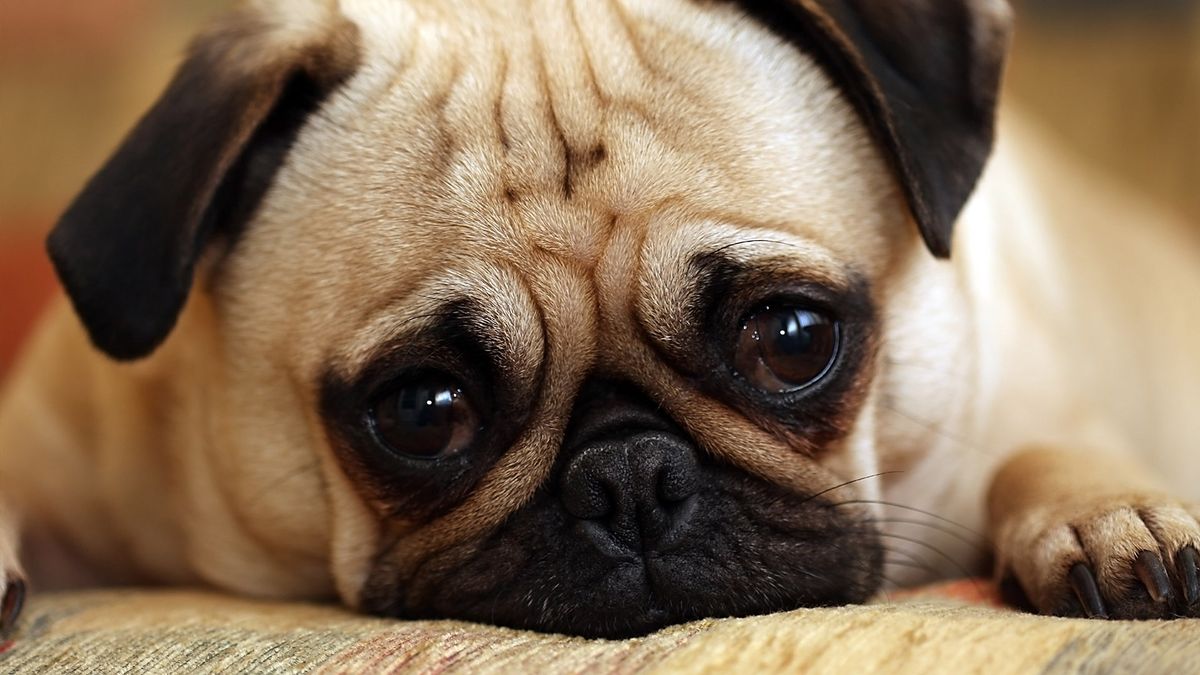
column 249, row 480
column 268, row 458
column 251, row 486
column 765, row 451
column 858, row 455
column 355, row 533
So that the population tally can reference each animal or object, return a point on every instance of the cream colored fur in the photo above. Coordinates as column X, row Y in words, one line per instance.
column 1066, row 318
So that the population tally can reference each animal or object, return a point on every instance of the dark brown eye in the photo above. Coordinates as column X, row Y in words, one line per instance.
column 426, row 417
column 782, row 349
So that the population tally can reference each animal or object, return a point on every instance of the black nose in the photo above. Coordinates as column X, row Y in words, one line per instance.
column 633, row 495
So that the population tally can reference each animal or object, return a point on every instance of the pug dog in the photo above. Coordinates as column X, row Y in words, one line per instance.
column 596, row 316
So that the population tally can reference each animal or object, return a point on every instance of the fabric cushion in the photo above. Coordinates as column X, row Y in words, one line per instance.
column 953, row 628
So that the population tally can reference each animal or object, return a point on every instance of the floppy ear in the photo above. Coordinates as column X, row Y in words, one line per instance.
column 126, row 248
column 923, row 74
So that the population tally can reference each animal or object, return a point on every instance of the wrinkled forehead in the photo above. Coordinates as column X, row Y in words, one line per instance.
column 617, row 106
column 477, row 139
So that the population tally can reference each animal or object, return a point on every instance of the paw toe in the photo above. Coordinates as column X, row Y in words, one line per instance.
column 11, row 604
column 1149, row 595
column 1187, row 562
column 1086, row 599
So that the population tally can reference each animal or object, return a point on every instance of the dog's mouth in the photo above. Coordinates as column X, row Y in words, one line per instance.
column 734, row 545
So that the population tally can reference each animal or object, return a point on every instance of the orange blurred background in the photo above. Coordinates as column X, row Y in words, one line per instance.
column 1118, row 80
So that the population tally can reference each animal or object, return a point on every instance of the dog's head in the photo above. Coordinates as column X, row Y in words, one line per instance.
column 560, row 315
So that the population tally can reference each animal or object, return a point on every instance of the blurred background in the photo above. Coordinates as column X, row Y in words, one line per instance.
column 1118, row 80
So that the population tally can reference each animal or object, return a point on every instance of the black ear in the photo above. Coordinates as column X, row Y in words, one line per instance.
column 126, row 248
column 924, row 76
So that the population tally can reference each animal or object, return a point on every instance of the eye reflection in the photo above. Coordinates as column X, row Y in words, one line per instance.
column 782, row 349
column 427, row 417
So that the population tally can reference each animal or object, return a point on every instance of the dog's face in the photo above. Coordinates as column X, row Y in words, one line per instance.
column 563, row 316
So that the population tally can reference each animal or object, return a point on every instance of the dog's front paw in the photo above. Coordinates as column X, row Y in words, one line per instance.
column 1120, row 558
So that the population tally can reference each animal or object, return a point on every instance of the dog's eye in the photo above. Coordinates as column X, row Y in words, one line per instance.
column 426, row 416
column 782, row 349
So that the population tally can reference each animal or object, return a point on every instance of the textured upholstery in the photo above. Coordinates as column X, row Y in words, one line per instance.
column 942, row 629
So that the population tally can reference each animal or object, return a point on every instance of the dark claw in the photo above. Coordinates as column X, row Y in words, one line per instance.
column 1189, row 570
column 1084, row 583
column 1149, row 568
column 10, row 607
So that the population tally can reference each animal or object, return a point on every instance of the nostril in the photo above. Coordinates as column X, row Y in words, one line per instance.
column 604, row 540
column 585, row 496
column 676, row 482
column 679, row 521
column 674, row 489
column 587, row 500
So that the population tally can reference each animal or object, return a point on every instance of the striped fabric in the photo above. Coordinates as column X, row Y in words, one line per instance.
column 942, row 629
